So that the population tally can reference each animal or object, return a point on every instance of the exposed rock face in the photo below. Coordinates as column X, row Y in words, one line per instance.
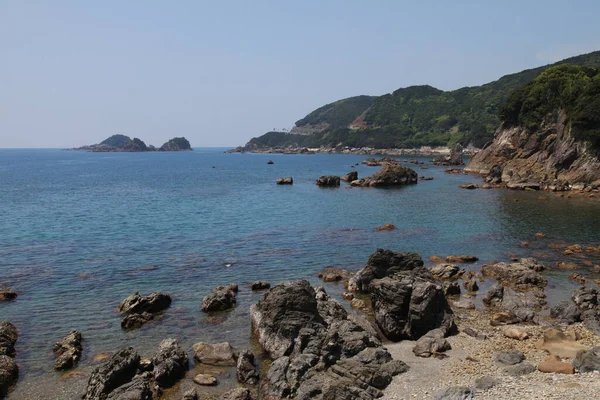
column 409, row 304
column 221, row 298
column 389, row 175
column 519, row 306
column 549, row 158
column 215, row 354
column 246, row 369
column 350, row 176
column 68, row 351
column 140, row 309
column 328, row 181
column 170, row 363
column 383, row 263
column 8, row 339
column 584, row 306
column 118, row 370
column 454, row 158
column 318, row 352
column 285, row 181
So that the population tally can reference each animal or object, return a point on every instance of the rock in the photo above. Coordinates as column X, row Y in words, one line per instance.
column 455, row 393
column 587, row 360
column 137, row 304
column 451, row 288
column 270, row 162
column 520, row 275
column 133, row 321
column 170, row 363
column 585, row 298
column 475, row 334
column 386, row 227
column 205, row 380
column 383, row 263
column 514, row 333
column 215, row 354
column 510, row 357
column 190, row 395
column 504, row 318
column 454, row 158
column 347, row 296
column 553, row 364
column 221, row 298
column 461, row 259
column 465, row 303
column 471, row 285
column 389, row 175
column 8, row 339
column 141, row 387
column 371, row 162
column 494, row 294
column 285, row 181
column 334, row 275
column 259, row 285
column 9, row 373
column 350, row 176
column 575, row 277
column 238, row 394
column 246, row 369
column 566, row 312
column 328, row 181
column 432, row 342
column 118, row 370
column 410, row 304
column 486, row 382
column 358, row 303
column 446, row 271
column 520, row 369
column 7, row 294
column 469, row 186
column 68, row 351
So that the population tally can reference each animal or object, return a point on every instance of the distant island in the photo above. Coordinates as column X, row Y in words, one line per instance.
column 122, row 143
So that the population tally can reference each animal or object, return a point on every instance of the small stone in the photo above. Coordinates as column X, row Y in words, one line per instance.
column 347, row 296
column 510, row 357
column 514, row 333
column 486, row 382
column 523, row 368
column 386, row 227
column 205, row 380
column 553, row 364
column 358, row 303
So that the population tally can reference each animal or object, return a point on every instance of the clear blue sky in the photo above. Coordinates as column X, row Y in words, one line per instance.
column 221, row 72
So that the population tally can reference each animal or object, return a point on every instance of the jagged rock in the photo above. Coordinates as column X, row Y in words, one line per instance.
column 215, row 354
column 587, row 360
column 566, row 312
column 409, row 304
column 118, row 370
column 190, row 395
column 8, row 338
column 133, row 321
column 350, row 176
column 446, row 271
column 246, row 369
column 205, row 380
column 221, row 298
column 510, row 357
column 520, row 275
column 7, row 294
column 285, row 181
column 259, row 285
column 137, row 304
column 140, row 388
column 238, row 394
column 471, row 285
column 431, row 343
column 329, row 181
column 494, row 294
column 170, row 363
column 383, row 263
column 270, row 162
column 9, row 373
column 455, row 393
column 68, row 351
column 451, row 288
column 389, row 175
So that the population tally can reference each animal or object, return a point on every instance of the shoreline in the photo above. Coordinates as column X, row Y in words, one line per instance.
column 423, row 151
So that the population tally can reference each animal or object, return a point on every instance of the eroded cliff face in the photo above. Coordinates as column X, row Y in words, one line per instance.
column 548, row 158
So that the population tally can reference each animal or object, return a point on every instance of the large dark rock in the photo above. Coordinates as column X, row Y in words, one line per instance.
column 587, row 360
column 118, row 370
column 390, row 175
column 350, row 176
column 133, row 321
column 170, row 363
column 584, row 306
column 409, row 304
column 431, row 343
column 383, row 263
column 8, row 338
column 318, row 352
column 141, row 387
column 328, row 181
column 221, row 298
column 137, row 304
column 68, row 351
column 9, row 373
column 7, row 294
column 246, row 369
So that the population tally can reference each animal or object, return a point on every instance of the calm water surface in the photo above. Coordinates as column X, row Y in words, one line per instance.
column 81, row 231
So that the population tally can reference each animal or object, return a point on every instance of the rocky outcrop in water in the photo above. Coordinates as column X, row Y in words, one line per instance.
column 285, row 181
column 522, row 275
column 328, row 181
column 7, row 294
column 9, row 371
column 548, row 158
column 8, row 338
column 350, row 176
column 389, row 175
column 140, row 309
column 246, row 368
column 318, row 353
column 68, row 351
column 221, row 298
column 454, row 158
column 215, row 354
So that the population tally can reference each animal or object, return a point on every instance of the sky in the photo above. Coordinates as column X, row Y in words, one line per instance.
column 221, row 72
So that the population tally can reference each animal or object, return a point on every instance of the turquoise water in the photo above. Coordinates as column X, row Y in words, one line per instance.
column 81, row 231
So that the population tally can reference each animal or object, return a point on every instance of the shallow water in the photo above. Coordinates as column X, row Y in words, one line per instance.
column 81, row 231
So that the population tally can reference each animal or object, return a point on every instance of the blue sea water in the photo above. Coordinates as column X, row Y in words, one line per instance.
column 81, row 231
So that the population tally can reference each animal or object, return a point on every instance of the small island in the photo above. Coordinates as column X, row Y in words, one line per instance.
column 122, row 143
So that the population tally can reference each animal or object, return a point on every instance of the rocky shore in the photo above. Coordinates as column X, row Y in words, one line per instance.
column 423, row 151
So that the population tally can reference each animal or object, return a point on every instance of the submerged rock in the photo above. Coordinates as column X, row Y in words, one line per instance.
column 221, row 298
column 68, row 351
column 260, row 285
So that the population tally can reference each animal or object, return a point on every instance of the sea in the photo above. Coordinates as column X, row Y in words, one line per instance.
column 81, row 231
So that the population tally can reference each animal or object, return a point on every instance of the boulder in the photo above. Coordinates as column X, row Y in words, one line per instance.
column 238, row 394
column 9, row 373
column 471, row 285
column 587, row 360
column 451, row 288
column 137, row 304
column 520, row 369
column 350, row 176
column 221, row 298
column 8, row 339
column 520, row 275
column 510, row 357
column 383, row 263
column 133, row 321
column 170, row 363
column 328, row 181
column 389, row 175
column 446, row 271
column 553, row 364
column 215, row 354
column 260, row 285
column 205, row 380
column 486, row 382
column 141, row 387
column 514, row 333
column 190, row 395
column 68, row 351
column 431, row 343
column 285, row 181
column 455, row 393
column 246, row 369
column 118, row 370
column 409, row 304
column 7, row 294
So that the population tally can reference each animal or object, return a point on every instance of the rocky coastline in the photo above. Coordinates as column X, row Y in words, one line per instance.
column 423, row 151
